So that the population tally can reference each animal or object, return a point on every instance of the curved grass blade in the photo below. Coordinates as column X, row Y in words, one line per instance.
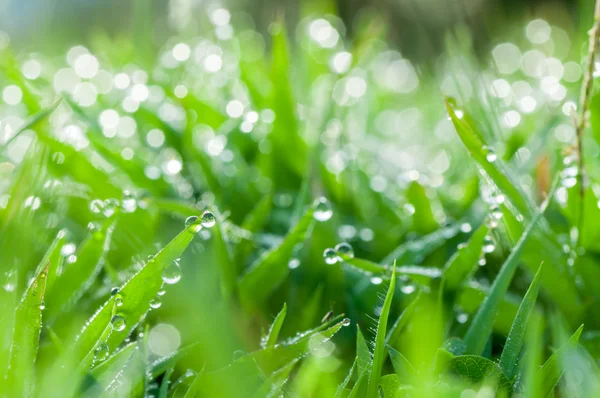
column 481, row 327
column 403, row 368
column 78, row 277
column 253, row 222
column 273, row 385
column 514, row 342
column 272, row 267
column 464, row 262
column 271, row 338
column 136, row 295
column 33, row 122
column 552, row 370
column 106, row 371
column 413, row 252
column 379, row 354
column 163, row 364
column 361, row 386
column 164, row 386
column 364, row 358
column 342, row 387
column 224, row 256
column 54, row 259
column 26, row 337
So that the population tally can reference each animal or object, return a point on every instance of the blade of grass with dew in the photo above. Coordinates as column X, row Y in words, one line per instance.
column 481, row 327
column 413, row 252
column 54, row 258
column 275, row 382
column 224, row 258
column 344, row 384
column 26, row 337
column 164, row 386
column 162, row 364
column 549, row 374
column 33, row 123
column 404, row 370
column 361, row 386
column 136, row 295
column 464, row 262
column 272, row 267
column 364, row 358
column 78, row 277
column 492, row 167
column 271, row 338
column 379, row 353
column 514, row 342
column 106, row 371
column 89, row 360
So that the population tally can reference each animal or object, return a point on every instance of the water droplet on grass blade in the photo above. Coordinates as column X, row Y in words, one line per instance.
column 496, row 212
column 110, row 206
column 192, row 224
column 323, row 210
column 118, row 323
column 172, row 274
column 237, row 354
column 330, row 256
column 58, row 157
column 293, row 263
column 155, row 303
column 346, row 322
column 488, row 245
column 345, row 249
column 490, row 154
column 128, row 204
column 101, row 352
column 96, row 206
column 208, row 219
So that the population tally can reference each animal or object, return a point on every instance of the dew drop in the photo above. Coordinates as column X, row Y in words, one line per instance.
column 490, row 155
column 346, row 322
column 192, row 225
column 496, row 212
column 322, row 210
column 128, row 204
column 42, row 305
column 172, row 274
column 118, row 323
column 491, row 222
column 96, row 206
column 488, row 245
column 208, row 219
column 161, row 292
column 345, row 249
column 330, row 256
column 58, row 157
column 376, row 280
column 118, row 300
column 155, row 303
column 237, row 354
column 114, row 291
column 408, row 289
column 110, row 206
column 293, row 263
column 101, row 352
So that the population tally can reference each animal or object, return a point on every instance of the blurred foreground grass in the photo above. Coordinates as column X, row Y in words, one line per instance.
column 238, row 216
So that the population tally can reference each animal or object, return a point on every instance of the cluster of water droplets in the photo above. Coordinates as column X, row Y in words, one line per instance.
column 337, row 254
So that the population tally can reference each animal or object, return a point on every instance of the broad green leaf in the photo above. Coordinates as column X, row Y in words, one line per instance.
column 271, row 338
column 464, row 262
column 403, row 368
column 26, row 337
column 379, row 354
column 481, row 326
column 476, row 369
column 272, row 267
column 364, row 358
column 510, row 353
column 78, row 277
column 552, row 370
column 136, row 295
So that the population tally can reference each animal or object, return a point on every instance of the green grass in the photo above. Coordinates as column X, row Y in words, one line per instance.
column 253, row 218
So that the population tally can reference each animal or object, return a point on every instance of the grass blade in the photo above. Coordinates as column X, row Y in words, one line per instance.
column 364, row 358
column 271, row 338
column 464, row 262
column 403, row 368
column 379, row 354
column 481, row 327
column 136, row 294
column 552, row 370
column 28, row 323
column 514, row 342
